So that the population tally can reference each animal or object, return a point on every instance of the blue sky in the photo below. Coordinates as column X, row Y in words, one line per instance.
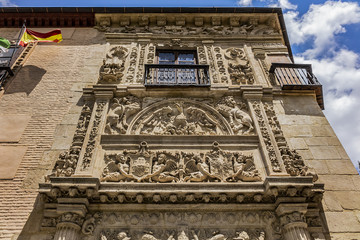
column 322, row 32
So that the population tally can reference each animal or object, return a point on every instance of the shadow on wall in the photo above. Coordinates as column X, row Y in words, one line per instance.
column 26, row 80
column 301, row 105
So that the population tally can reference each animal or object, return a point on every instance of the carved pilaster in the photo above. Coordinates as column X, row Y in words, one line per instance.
column 293, row 221
column 68, row 227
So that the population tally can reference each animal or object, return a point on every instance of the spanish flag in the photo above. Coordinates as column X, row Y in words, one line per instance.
column 32, row 36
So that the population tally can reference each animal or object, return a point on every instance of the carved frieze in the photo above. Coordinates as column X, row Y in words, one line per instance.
column 165, row 166
column 240, row 121
column 294, row 163
column 120, row 111
column 67, row 161
column 130, row 72
column 113, row 66
column 239, row 66
column 220, row 64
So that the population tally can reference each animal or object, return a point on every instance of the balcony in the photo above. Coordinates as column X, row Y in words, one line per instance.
column 176, row 75
column 296, row 77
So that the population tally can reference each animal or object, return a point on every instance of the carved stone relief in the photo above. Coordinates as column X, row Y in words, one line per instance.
column 66, row 164
column 239, row 66
column 120, row 111
column 179, row 117
column 240, row 121
column 294, row 163
column 266, row 136
column 130, row 73
column 113, row 66
column 91, row 144
column 140, row 69
column 165, row 166
column 214, row 73
column 220, row 64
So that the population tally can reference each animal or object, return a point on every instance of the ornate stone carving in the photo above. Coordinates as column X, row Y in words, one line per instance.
column 221, row 64
column 266, row 136
column 103, row 25
column 294, row 163
column 89, row 150
column 199, row 29
column 239, row 120
column 173, row 234
column 67, row 161
column 72, row 218
column 292, row 218
column 212, row 68
column 130, row 74
column 120, row 111
column 113, row 66
column 239, row 66
column 163, row 166
column 140, row 69
column 179, row 117
column 151, row 54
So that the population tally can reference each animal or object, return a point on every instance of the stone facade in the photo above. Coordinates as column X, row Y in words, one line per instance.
column 108, row 146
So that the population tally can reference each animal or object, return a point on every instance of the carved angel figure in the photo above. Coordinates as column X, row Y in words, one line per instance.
column 244, row 169
column 239, row 120
column 119, row 113
column 198, row 170
column 163, row 170
column 117, row 170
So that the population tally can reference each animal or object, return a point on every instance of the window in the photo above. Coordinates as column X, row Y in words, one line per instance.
column 176, row 57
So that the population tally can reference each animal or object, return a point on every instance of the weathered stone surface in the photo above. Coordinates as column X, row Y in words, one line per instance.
column 331, row 202
column 349, row 200
column 341, row 167
column 320, row 166
column 10, row 160
column 298, row 143
column 342, row 222
column 324, row 152
column 337, row 182
column 12, row 126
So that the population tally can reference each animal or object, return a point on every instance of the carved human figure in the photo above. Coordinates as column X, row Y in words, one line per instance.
column 163, row 170
column 199, row 170
column 117, row 170
column 239, row 120
column 244, row 169
column 119, row 113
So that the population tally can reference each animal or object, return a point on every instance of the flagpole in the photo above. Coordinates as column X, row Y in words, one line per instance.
column 17, row 41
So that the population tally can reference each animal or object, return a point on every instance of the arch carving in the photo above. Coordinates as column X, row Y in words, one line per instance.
column 179, row 117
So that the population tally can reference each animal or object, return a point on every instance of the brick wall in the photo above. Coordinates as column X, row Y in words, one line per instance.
column 47, row 88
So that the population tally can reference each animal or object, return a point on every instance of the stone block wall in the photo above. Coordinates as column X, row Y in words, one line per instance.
column 44, row 102
column 308, row 131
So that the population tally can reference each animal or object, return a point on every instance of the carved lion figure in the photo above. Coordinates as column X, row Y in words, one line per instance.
column 239, row 120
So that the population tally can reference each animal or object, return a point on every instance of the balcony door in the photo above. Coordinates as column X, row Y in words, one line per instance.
column 171, row 75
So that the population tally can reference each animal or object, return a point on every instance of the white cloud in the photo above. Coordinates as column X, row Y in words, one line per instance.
column 340, row 76
column 244, row 2
column 321, row 23
column 284, row 4
column 7, row 3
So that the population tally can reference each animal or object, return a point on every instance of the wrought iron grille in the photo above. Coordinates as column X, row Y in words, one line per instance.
column 176, row 75
column 296, row 77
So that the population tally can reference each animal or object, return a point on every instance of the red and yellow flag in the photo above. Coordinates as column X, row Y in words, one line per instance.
column 32, row 36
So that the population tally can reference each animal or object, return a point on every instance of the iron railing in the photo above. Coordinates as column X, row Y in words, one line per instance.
column 176, row 75
column 296, row 77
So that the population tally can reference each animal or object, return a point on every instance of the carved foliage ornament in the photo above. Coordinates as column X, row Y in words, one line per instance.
column 239, row 66
column 163, row 166
column 113, row 66
column 67, row 161
column 294, row 163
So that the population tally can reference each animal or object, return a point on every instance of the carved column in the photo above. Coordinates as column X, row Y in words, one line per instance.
column 292, row 220
column 68, row 227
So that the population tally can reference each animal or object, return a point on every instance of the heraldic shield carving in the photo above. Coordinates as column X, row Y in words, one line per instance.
column 215, row 165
